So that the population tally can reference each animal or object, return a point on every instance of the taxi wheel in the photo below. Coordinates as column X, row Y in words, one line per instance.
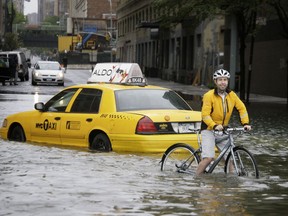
column 17, row 134
column 101, row 143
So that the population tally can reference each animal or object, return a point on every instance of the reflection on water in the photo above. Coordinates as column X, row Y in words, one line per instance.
column 38, row 179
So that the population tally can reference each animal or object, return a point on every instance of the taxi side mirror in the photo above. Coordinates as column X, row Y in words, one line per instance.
column 39, row 106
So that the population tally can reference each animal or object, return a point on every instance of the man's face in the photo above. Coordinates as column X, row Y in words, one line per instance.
column 221, row 83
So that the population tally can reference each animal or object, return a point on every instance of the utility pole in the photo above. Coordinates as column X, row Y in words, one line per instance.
column 111, row 29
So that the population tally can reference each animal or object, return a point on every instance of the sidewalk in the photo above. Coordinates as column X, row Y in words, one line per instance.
column 200, row 90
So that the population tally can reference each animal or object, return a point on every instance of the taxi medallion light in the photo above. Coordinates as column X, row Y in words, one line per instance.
column 145, row 125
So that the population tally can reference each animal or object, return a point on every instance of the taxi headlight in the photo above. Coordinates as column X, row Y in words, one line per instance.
column 4, row 123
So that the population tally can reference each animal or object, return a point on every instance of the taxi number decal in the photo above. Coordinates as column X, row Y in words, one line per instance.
column 136, row 80
column 111, row 116
column 47, row 125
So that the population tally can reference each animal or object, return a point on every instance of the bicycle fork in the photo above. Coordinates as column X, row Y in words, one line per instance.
column 236, row 157
column 234, row 161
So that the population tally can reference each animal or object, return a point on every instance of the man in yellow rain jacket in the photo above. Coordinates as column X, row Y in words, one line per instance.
column 217, row 108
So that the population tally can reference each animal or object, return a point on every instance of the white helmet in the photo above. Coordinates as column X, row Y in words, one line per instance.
column 221, row 73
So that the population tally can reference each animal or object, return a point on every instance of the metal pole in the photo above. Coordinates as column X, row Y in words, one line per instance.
column 233, row 51
column 251, row 58
column 111, row 56
column 287, row 82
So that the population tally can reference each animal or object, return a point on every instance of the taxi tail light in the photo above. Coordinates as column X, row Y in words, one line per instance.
column 145, row 125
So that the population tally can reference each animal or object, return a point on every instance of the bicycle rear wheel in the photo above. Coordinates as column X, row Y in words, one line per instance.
column 245, row 163
column 181, row 158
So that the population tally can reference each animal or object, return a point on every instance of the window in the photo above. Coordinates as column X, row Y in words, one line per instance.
column 60, row 101
column 88, row 101
column 149, row 99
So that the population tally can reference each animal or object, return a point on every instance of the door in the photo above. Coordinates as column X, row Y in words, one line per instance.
column 46, row 127
column 82, row 118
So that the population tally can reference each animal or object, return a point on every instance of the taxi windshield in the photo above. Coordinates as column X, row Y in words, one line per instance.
column 149, row 99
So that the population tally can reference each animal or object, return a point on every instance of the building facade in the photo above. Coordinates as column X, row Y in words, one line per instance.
column 190, row 54
column 183, row 54
column 92, row 16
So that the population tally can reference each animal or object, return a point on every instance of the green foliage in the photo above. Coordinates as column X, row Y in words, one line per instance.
column 11, row 42
column 52, row 20
column 172, row 12
column 19, row 18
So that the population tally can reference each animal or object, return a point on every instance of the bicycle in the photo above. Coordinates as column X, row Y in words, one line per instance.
column 182, row 158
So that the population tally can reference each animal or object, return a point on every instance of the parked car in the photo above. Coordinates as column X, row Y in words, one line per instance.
column 23, row 71
column 48, row 72
column 123, row 115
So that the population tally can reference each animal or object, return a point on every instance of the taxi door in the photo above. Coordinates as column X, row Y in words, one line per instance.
column 81, row 118
column 75, row 129
column 46, row 126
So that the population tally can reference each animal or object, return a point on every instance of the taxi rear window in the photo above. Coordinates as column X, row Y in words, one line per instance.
column 149, row 99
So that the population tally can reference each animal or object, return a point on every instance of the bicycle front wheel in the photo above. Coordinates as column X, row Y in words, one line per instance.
column 245, row 163
column 181, row 158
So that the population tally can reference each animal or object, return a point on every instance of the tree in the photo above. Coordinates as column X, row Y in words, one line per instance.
column 52, row 20
column 281, row 8
column 172, row 12
column 19, row 18
column 11, row 39
column 245, row 11
column 9, row 15
column 11, row 42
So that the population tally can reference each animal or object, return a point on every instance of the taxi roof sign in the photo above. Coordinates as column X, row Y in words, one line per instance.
column 117, row 73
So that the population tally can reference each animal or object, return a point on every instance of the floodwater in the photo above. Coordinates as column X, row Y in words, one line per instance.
column 49, row 180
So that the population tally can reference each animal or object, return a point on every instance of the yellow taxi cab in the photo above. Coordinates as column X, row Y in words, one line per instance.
column 115, row 111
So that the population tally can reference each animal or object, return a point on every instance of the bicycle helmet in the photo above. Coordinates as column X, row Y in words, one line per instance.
column 221, row 73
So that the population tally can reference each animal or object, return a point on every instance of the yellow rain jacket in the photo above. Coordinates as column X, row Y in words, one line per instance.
column 217, row 111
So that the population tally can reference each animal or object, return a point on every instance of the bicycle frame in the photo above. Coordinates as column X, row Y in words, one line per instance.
column 228, row 147
column 238, row 160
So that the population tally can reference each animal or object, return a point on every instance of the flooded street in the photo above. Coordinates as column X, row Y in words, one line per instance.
column 49, row 180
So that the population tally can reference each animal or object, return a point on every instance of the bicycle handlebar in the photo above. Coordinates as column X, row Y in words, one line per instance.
column 236, row 129
column 227, row 129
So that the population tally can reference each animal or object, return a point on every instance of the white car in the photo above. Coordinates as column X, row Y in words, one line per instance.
column 48, row 72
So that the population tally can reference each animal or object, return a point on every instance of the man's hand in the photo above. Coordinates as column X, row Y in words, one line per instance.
column 247, row 127
column 219, row 128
